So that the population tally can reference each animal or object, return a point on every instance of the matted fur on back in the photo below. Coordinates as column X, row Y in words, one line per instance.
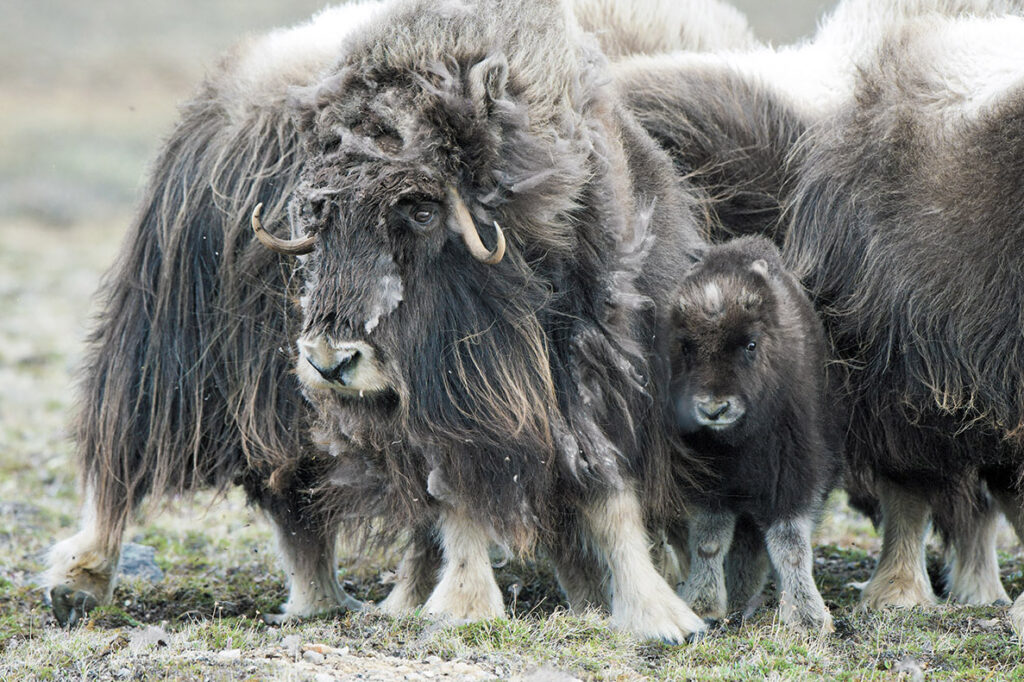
column 904, row 223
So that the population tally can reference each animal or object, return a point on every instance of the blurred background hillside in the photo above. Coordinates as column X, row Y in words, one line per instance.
column 89, row 89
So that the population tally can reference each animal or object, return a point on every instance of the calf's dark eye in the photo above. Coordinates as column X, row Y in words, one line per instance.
column 751, row 346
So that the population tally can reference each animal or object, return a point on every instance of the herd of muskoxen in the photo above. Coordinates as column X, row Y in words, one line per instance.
column 567, row 276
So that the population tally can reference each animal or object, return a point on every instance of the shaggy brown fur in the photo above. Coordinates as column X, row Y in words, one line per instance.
column 512, row 397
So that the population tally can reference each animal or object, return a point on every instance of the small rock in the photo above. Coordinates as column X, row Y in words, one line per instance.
column 546, row 674
column 433, row 660
column 324, row 677
column 147, row 638
column 138, row 561
column 230, row 654
column 291, row 645
column 989, row 624
column 911, row 668
column 314, row 657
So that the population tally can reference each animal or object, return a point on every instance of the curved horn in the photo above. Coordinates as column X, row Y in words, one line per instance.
column 471, row 238
column 289, row 247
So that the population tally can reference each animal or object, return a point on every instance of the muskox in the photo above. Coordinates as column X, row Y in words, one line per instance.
column 750, row 397
column 906, row 224
column 735, row 124
column 480, row 240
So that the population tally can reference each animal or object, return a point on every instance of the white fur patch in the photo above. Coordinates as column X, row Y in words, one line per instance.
column 976, row 57
column 713, row 300
column 391, row 292
column 972, row 63
column 271, row 63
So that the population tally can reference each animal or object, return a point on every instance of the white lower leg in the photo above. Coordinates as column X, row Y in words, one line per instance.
column 415, row 576
column 87, row 561
column 973, row 570
column 800, row 603
column 466, row 588
column 310, row 565
column 900, row 578
column 1013, row 506
column 642, row 602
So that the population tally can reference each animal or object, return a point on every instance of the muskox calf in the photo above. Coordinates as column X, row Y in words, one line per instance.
column 748, row 390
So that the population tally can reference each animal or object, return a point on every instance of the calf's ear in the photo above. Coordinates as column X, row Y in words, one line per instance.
column 760, row 266
column 488, row 80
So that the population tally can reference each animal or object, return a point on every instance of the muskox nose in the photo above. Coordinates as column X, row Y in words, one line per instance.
column 718, row 411
column 713, row 409
column 340, row 365
column 346, row 362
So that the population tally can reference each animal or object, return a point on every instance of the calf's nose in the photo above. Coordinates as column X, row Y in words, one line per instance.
column 713, row 409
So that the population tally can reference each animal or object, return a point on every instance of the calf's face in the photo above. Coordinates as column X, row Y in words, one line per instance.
column 721, row 333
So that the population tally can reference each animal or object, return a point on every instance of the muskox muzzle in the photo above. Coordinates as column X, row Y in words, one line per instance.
column 345, row 366
column 712, row 412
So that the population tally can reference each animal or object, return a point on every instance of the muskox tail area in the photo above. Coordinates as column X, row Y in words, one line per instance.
column 186, row 377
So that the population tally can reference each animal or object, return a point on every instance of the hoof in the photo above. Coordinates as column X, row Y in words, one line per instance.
column 698, row 635
column 70, row 606
column 278, row 619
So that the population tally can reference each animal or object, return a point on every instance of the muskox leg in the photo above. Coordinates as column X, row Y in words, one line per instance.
column 466, row 589
column 900, row 578
column 82, row 568
column 582, row 573
column 306, row 543
column 666, row 559
column 678, row 535
column 973, row 569
column 416, row 574
column 1012, row 505
column 746, row 567
column 642, row 602
column 800, row 603
column 710, row 536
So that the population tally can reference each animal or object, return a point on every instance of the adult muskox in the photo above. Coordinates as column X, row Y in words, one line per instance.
column 907, row 223
column 735, row 124
column 486, row 392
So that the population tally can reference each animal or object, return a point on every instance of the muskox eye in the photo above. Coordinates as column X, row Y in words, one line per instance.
column 425, row 215
column 751, row 346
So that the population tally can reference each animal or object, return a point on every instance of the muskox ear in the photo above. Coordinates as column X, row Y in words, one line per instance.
column 487, row 81
column 760, row 266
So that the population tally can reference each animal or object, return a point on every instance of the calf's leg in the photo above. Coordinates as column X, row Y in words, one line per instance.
column 800, row 603
column 710, row 536
column 417, row 573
